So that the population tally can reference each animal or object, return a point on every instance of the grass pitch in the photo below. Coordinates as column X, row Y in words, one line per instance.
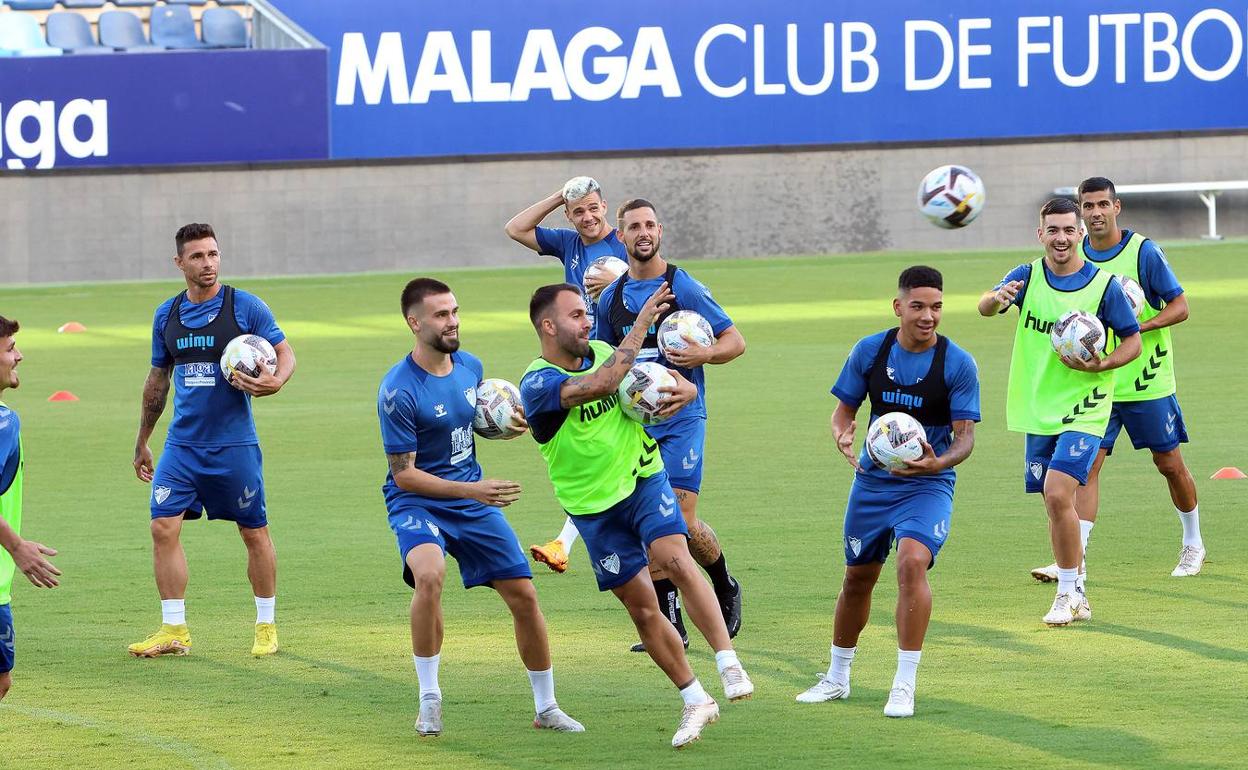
column 1155, row 679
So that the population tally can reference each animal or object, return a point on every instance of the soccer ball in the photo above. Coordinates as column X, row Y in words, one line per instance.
column 684, row 322
column 247, row 353
column 1078, row 334
column 951, row 196
column 606, row 267
column 640, row 397
column 498, row 404
column 895, row 438
column 1134, row 292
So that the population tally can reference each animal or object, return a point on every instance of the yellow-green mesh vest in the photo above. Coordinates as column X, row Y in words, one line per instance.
column 597, row 455
column 11, row 512
column 1150, row 376
column 1047, row 397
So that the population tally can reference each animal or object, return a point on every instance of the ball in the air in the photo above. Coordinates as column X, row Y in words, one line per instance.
column 249, row 354
column 893, row 439
column 1078, row 334
column 951, row 196
column 498, row 404
column 639, row 393
column 676, row 326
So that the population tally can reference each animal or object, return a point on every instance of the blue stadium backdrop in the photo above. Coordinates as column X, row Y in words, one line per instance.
column 413, row 78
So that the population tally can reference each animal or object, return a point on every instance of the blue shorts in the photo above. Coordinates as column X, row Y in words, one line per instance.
column 1072, row 453
column 681, row 444
column 1156, row 424
column 7, row 650
column 478, row 536
column 879, row 513
column 618, row 539
column 227, row 482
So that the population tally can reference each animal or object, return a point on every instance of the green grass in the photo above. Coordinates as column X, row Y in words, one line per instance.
column 1155, row 679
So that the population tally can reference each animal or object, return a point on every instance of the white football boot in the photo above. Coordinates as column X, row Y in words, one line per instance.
column 429, row 723
column 737, row 684
column 692, row 720
column 900, row 702
column 1191, row 559
column 825, row 690
column 1063, row 611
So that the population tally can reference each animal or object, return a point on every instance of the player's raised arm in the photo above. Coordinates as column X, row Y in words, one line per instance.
column 155, row 396
column 486, row 491
column 522, row 228
column 998, row 299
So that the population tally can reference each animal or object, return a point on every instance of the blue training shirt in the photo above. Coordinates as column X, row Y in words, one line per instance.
column 1160, row 283
column 1115, row 310
column 907, row 368
column 431, row 416
column 690, row 295
column 199, row 420
column 566, row 245
column 10, row 447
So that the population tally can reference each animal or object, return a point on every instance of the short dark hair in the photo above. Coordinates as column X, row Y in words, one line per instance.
column 1097, row 184
column 920, row 276
column 7, row 327
column 192, row 232
column 417, row 289
column 544, row 297
column 632, row 204
column 1058, row 206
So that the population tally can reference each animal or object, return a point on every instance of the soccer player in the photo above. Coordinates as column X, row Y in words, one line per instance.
column 682, row 439
column 439, row 503
column 913, row 370
column 1062, row 403
column 26, row 555
column 593, row 237
column 609, row 475
column 212, row 456
column 1144, row 393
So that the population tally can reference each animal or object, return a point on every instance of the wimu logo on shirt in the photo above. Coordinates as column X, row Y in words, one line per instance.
column 902, row 399
column 654, row 329
column 596, row 409
column 1035, row 324
column 201, row 341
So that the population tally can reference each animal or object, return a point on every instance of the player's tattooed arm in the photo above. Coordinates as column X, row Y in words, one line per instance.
column 155, row 396
column 962, row 445
column 399, row 462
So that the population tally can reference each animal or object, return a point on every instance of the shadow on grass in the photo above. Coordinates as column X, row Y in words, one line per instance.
column 1171, row 641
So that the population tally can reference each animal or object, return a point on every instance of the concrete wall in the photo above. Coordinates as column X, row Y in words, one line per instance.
column 68, row 226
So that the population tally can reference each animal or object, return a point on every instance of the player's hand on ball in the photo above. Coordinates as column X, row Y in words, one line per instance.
column 696, row 354
column 656, row 304
column 595, row 284
column 1095, row 365
column 1007, row 293
column 518, row 425
column 264, row 385
column 144, row 465
column 845, row 443
column 29, row 559
column 499, row 494
column 678, row 395
column 926, row 465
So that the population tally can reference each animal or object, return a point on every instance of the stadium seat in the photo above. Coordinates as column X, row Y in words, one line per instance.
column 21, row 35
column 30, row 5
column 187, row 2
column 123, row 30
column 72, row 33
column 133, row 3
column 232, row 2
column 83, row 3
column 224, row 28
column 173, row 27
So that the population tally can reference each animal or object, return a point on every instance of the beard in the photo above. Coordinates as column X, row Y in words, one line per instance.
column 444, row 344
column 643, row 258
column 573, row 345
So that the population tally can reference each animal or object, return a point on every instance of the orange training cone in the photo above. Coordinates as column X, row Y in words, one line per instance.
column 1229, row 473
column 62, row 395
column 73, row 327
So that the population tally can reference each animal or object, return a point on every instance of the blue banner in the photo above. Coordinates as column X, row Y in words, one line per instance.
column 420, row 78
column 163, row 108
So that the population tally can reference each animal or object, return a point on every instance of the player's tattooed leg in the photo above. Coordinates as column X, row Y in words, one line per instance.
column 703, row 543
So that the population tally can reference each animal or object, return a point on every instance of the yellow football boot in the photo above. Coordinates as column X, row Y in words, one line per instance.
column 169, row 640
column 552, row 555
column 266, row 639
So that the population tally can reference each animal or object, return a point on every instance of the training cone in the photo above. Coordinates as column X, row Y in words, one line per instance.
column 62, row 395
column 73, row 327
column 1229, row 473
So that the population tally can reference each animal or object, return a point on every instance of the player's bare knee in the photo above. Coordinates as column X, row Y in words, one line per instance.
column 165, row 531
column 256, row 537
column 1170, row 464
column 427, row 582
column 911, row 568
column 856, row 585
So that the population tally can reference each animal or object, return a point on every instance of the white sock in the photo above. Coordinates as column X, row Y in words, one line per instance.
column 907, row 667
column 265, row 609
column 568, row 535
column 427, row 675
column 1191, row 527
column 725, row 659
column 173, row 612
column 1066, row 580
column 1085, row 531
column 694, row 695
column 543, row 683
column 842, row 659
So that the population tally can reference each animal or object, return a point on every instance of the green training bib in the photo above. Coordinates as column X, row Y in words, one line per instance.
column 11, row 512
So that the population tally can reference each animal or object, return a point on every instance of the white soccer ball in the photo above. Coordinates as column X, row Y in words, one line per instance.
column 951, row 196
column 248, row 353
column 1078, row 334
column 606, row 267
column 1134, row 292
column 498, row 405
column 640, row 397
column 895, row 438
column 684, row 322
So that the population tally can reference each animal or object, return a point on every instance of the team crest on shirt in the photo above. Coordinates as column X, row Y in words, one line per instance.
column 161, row 494
column 854, row 544
column 1036, row 470
column 471, row 395
column 611, row 563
